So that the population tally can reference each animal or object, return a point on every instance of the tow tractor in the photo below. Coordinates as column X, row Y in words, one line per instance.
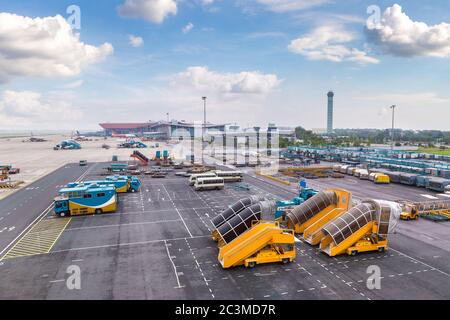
column 434, row 210
column 409, row 211
column 304, row 194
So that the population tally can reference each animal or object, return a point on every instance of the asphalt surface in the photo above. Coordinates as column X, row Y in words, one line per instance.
column 158, row 246
column 19, row 210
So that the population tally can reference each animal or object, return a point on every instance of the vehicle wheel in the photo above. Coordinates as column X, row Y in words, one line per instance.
column 285, row 261
column 62, row 214
column 98, row 211
column 133, row 191
column 354, row 252
column 381, row 249
column 252, row 264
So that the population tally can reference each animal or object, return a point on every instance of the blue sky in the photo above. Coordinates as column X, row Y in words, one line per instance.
column 258, row 61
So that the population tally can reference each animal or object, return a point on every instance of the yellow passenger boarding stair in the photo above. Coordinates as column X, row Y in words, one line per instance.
column 309, row 217
column 264, row 242
column 363, row 228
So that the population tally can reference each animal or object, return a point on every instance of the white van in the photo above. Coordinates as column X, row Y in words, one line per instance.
column 194, row 177
column 230, row 176
column 209, row 184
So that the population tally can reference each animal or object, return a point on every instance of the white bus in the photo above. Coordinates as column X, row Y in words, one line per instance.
column 209, row 184
column 230, row 176
column 194, row 177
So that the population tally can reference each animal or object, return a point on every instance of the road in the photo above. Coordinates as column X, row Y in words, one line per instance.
column 22, row 208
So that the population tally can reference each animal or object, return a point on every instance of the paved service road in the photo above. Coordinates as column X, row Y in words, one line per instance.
column 22, row 208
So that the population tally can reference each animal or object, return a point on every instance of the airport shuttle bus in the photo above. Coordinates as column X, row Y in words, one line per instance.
column 230, row 176
column 209, row 184
column 123, row 184
column 193, row 178
column 82, row 200
column 133, row 183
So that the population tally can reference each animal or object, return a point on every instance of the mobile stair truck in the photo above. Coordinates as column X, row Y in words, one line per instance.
column 314, row 213
column 264, row 242
column 139, row 156
column 363, row 228
column 87, row 199
column 244, row 238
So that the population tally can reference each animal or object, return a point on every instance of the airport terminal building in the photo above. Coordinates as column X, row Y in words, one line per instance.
column 161, row 130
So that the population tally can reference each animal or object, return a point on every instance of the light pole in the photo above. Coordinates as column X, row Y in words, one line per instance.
column 204, row 126
column 393, row 125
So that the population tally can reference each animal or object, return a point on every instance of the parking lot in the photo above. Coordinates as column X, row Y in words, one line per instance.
column 158, row 246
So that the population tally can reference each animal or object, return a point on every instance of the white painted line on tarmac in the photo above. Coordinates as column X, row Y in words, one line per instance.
column 418, row 261
column 178, row 212
column 38, row 218
column 123, row 224
column 174, row 267
column 55, row 281
column 429, row 196
column 125, row 244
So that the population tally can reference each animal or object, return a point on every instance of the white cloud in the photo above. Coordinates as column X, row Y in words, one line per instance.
column 247, row 82
column 135, row 41
column 327, row 43
column 73, row 85
column 413, row 98
column 187, row 28
column 291, row 5
column 19, row 109
column 397, row 34
column 43, row 47
column 151, row 10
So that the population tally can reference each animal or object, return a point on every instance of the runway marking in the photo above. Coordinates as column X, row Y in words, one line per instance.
column 125, row 244
column 201, row 219
column 418, row 261
column 177, row 274
column 38, row 218
column 175, row 206
column 56, row 281
column 348, row 283
column 199, row 268
column 40, row 239
column 124, row 224
column 429, row 197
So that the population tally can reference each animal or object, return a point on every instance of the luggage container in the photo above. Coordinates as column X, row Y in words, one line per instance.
column 408, row 179
column 381, row 178
column 422, row 181
column 438, row 184
column 344, row 169
column 394, row 176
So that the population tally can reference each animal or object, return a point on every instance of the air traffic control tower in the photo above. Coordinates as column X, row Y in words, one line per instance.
column 330, row 112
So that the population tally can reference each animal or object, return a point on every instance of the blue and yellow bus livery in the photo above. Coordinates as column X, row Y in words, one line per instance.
column 123, row 184
column 133, row 183
column 87, row 199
